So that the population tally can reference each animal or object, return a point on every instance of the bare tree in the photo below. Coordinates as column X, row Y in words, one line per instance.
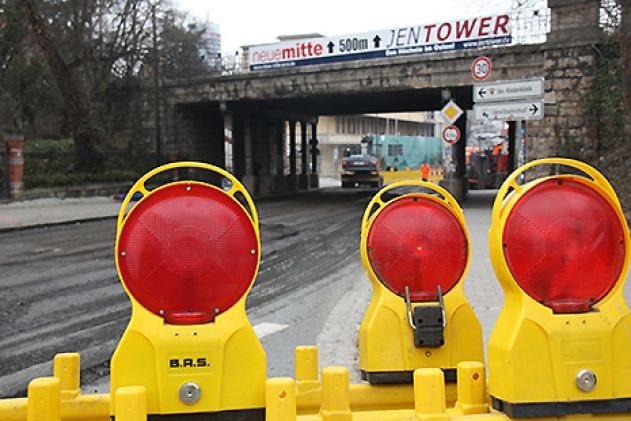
column 88, row 44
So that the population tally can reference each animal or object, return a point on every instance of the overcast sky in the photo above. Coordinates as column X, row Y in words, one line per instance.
column 260, row 22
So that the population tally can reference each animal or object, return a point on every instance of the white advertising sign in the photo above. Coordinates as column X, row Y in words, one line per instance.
column 426, row 38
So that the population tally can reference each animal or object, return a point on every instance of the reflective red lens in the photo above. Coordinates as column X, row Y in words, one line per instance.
column 188, row 255
column 418, row 243
column 564, row 244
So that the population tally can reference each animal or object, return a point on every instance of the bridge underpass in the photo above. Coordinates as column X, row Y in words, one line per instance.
column 260, row 126
column 303, row 114
column 264, row 108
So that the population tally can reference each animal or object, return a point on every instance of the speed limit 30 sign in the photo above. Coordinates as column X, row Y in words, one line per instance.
column 481, row 68
column 451, row 134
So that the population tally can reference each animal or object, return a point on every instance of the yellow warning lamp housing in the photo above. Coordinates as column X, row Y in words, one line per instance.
column 187, row 254
column 560, row 249
column 416, row 251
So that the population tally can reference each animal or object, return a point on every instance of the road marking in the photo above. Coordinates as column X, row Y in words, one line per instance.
column 265, row 328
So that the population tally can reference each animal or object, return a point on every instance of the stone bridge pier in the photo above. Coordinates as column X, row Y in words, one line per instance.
column 271, row 153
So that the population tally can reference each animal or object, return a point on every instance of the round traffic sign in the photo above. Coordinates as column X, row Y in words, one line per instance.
column 451, row 134
column 481, row 68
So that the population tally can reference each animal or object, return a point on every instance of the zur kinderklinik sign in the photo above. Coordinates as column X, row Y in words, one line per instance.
column 401, row 41
column 509, row 100
column 508, row 90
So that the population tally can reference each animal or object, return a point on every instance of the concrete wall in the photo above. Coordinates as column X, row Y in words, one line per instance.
column 569, row 59
column 197, row 133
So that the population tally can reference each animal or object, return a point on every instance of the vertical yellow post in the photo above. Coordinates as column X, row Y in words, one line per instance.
column 280, row 399
column 336, row 402
column 66, row 367
column 130, row 403
column 429, row 394
column 43, row 400
column 306, row 363
column 471, row 388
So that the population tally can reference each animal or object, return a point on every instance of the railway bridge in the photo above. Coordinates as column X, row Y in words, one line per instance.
column 261, row 106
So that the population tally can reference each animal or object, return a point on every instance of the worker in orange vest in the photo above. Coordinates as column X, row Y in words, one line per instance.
column 425, row 170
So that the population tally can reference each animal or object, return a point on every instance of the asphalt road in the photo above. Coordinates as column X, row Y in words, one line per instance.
column 61, row 293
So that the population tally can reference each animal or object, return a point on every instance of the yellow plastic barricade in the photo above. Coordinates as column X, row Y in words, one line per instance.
column 560, row 248
column 415, row 249
column 187, row 254
column 52, row 398
column 188, row 251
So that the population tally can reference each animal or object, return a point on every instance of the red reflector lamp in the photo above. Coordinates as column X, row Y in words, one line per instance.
column 564, row 244
column 418, row 243
column 188, row 253
column 560, row 249
column 415, row 250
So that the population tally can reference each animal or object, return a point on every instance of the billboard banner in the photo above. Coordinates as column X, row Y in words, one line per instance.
column 460, row 34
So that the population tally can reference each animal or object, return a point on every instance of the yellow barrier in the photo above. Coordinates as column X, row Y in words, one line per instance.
column 428, row 399
column 52, row 398
column 390, row 177
column 190, row 354
column 597, row 337
column 362, row 396
column 418, row 316
column 560, row 249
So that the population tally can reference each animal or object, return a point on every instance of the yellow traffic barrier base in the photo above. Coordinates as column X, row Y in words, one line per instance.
column 559, row 350
column 57, row 397
column 362, row 396
column 391, row 176
column 429, row 398
column 427, row 403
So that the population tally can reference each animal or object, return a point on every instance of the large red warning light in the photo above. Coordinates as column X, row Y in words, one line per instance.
column 418, row 243
column 564, row 244
column 188, row 255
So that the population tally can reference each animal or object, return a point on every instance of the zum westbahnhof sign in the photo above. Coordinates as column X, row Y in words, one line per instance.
column 426, row 38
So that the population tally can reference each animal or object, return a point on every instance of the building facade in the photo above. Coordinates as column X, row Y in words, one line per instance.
column 343, row 134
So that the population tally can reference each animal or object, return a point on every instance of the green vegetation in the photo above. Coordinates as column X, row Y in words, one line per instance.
column 52, row 163
column 77, row 70
column 604, row 105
